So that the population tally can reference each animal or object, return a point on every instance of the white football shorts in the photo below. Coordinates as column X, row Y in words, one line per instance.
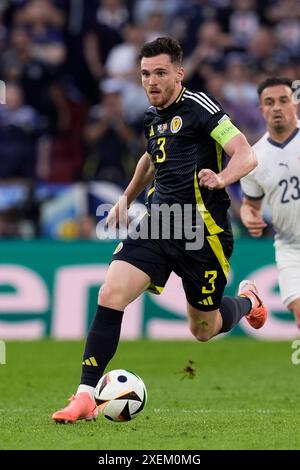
column 288, row 264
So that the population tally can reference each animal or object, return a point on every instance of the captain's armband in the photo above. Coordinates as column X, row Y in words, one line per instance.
column 224, row 131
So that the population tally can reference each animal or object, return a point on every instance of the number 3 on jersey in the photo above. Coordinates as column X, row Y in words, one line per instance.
column 161, row 142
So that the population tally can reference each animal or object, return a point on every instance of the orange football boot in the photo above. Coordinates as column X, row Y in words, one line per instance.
column 258, row 313
column 81, row 406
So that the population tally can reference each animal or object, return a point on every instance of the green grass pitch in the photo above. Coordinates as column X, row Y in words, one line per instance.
column 245, row 395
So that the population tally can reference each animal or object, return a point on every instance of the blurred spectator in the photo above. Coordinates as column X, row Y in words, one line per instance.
column 144, row 8
column 134, row 100
column 245, row 114
column 122, row 58
column 9, row 224
column 238, row 89
column 66, row 153
column 17, row 54
column 112, row 13
column 263, row 50
column 287, row 33
column 155, row 26
column 108, row 138
column 86, row 226
column 281, row 10
column 20, row 128
column 210, row 49
column 98, row 41
column 3, row 29
column 41, row 90
column 243, row 22
column 45, row 23
column 80, row 16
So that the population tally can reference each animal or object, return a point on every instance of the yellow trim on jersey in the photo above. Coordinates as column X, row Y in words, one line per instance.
column 224, row 132
column 155, row 289
column 180, row 95
column 217, row 248
column 213, row 230
column 209, row 222
column 151, row 190
column 219, row 156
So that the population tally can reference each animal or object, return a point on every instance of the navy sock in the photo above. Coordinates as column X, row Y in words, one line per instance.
column 101, row 344
column 232, row 310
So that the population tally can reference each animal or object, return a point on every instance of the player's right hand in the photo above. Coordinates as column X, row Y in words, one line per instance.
column 118, row 215
column 253, row 221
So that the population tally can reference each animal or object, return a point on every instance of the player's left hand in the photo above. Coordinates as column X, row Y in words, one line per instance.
column 210, row 180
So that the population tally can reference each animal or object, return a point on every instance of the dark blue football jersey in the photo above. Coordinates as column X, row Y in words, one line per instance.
column 180, row 145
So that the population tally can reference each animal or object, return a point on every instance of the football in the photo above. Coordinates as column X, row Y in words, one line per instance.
column 120, row 395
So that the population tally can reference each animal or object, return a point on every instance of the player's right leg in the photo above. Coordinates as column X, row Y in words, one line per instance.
column 123, row 284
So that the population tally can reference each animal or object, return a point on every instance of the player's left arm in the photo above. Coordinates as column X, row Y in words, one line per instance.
column 242, row 158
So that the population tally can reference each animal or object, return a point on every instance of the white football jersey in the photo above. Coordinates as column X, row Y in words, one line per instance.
column 277, row 177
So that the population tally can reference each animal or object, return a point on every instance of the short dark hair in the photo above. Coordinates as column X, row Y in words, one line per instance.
column 164, row 45
column 273, row 81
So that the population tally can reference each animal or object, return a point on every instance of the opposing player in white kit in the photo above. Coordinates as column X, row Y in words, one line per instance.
column 277, row 178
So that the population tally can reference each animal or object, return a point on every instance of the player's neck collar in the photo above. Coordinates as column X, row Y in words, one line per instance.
column 281, row 145
column 164, row 111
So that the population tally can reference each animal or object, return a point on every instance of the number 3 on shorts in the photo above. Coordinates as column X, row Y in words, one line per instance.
column 212, row 276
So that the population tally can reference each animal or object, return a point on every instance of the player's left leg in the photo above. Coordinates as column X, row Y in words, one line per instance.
column 204, row 278
column 294, row 307
column 204, row 325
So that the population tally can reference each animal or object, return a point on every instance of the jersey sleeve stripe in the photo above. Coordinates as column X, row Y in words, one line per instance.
column 210, row 101
column 205, row 101
column 199, row 102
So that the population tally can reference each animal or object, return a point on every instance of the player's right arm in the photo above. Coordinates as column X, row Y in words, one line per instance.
column 251, row 216
column 143, row 176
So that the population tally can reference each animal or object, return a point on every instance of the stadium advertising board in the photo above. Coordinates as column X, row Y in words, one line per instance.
column 49, row 289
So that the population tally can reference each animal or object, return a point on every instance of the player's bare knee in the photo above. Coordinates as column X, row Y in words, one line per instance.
column 203, row 336
column 110, row 295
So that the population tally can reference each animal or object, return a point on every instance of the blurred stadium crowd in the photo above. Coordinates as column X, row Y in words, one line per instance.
column 74, row 103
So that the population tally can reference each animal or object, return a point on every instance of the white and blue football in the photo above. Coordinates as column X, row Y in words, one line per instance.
column 120, row 395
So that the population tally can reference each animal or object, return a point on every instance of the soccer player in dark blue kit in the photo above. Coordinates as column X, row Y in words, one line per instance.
column 187, row 133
